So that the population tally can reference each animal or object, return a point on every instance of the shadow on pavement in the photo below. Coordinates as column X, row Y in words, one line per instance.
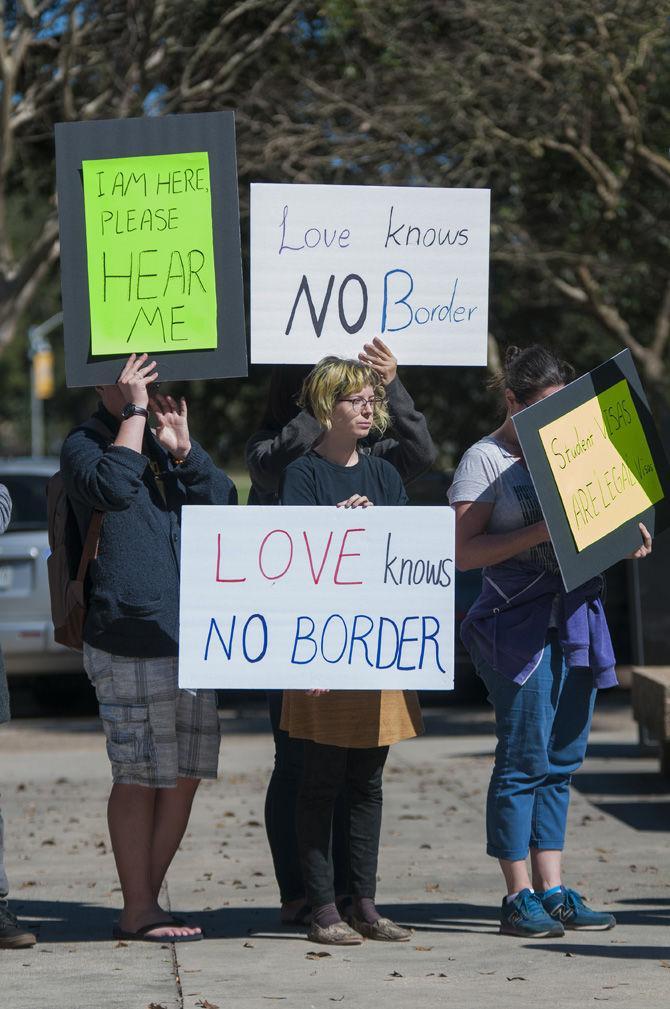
column 621, row 783
column 615, row 751
column 639, row 815
column 70, row 921
column 623, row 952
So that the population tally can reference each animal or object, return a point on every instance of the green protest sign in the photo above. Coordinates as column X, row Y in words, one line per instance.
column 150, row 254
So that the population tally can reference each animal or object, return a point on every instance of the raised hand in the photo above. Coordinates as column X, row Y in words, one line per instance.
column 378, row 356
column 172, row 425
column 135, row 377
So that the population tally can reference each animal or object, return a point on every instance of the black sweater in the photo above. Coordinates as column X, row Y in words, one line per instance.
column 270, row 450
column 134, row 582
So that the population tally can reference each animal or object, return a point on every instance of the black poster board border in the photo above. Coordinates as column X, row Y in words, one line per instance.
column 577, row 566
column 213, row 132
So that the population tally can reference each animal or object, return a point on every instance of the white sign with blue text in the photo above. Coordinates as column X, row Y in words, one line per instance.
column 334, row 266
column 302, row 597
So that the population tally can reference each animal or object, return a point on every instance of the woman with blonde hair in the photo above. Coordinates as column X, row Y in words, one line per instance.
column 346, row 733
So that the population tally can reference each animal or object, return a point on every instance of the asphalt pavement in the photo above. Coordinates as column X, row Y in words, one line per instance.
column 434, row 876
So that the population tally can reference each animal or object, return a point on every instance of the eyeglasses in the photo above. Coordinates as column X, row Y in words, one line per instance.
column 358, row 402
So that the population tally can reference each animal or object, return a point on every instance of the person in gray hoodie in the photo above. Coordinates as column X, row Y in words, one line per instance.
column 161, row 740
column 13, row 935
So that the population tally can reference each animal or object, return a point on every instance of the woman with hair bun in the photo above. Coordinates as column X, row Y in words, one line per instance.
column 542, row 653
column 346, row 733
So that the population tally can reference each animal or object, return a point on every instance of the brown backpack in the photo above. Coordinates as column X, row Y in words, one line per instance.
column 69, row 559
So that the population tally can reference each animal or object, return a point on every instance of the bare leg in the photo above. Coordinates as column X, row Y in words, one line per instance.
column 546, row 867
column 131, row 816
column 516, row 875
column 172, row 811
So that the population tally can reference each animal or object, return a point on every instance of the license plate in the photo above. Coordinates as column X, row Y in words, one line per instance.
column 5, row 576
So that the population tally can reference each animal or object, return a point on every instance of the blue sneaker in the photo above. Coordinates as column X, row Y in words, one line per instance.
column 526, row 917
column 567, row 906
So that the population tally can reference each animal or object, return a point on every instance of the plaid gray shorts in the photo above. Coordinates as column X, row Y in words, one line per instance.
column 155, row 732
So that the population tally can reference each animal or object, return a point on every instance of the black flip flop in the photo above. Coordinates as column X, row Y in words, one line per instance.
column 141, row 934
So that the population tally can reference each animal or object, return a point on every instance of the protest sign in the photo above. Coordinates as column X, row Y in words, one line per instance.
column 150, row 253
column 334, row 266
column 150, row 246
column 300, row 597
column 598, row 467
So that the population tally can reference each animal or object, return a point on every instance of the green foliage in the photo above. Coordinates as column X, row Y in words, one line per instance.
column 560, row 109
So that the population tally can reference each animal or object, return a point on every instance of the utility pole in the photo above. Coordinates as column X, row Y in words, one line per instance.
column 41, row 359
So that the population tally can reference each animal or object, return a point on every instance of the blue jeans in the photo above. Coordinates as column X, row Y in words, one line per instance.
column 542, row 728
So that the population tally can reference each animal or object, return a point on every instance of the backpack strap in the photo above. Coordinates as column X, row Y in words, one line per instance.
column 90, row 548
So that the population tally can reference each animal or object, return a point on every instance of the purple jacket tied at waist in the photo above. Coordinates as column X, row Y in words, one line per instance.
column 507, row 624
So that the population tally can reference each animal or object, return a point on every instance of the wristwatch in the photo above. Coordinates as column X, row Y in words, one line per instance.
column 132, row 410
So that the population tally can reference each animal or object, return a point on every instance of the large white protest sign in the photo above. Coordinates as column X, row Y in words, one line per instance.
column 317, row 597
column 334, row 266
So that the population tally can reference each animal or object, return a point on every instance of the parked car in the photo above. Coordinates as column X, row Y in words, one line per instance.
column 26, row 631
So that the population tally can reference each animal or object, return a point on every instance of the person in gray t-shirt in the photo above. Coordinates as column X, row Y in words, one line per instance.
column 492, row 472
column 542, row 723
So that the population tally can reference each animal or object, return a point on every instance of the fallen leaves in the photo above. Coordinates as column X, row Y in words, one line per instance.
column 423, row 949
column 517, row 977
column 315, row 954
column 204, row 1004
column 156, row 1005
column 249, row 945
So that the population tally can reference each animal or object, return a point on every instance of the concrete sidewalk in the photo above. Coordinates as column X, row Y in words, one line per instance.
column 434, row 875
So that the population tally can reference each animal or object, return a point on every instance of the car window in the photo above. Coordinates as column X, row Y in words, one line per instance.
column 28, row 492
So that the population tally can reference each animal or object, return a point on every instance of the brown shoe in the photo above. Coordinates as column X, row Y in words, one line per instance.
column 384, row 930
column 339, row 934
column 12, row 934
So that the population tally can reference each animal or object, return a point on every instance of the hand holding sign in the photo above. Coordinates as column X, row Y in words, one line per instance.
column 645, row 549
column 135, row 378
column 380, row 357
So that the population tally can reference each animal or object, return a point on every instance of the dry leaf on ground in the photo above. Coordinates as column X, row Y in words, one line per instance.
column 316, row 954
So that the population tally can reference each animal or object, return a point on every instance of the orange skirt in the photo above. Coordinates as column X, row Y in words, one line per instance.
column 352, row 718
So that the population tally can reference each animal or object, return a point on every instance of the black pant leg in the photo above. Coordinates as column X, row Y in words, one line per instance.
column 280, row 805
column 323, row 777
column 342, row 882
column 365, row 768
